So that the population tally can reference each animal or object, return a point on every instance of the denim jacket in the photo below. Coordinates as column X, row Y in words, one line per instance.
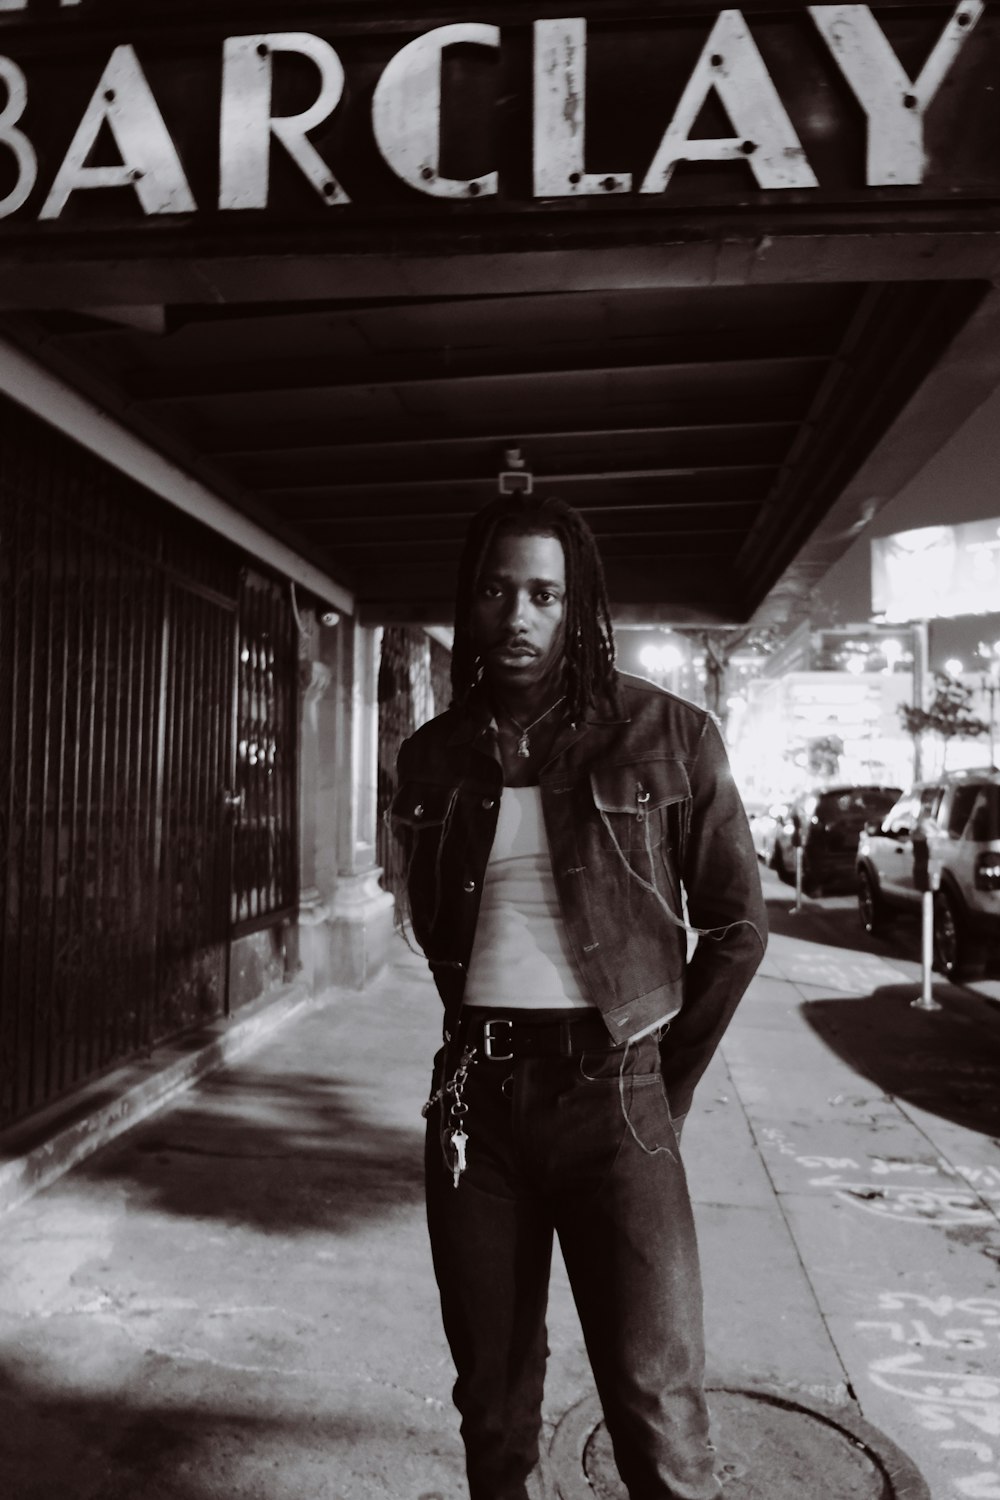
column 638, row 802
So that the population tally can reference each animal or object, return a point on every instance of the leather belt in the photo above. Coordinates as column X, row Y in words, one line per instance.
column 501, row 1039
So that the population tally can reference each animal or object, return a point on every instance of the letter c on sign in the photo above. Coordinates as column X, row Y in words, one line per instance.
column 406, row 112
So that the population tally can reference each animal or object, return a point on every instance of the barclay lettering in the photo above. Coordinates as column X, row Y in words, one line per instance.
column 406, row 107
column 14, row 139
column 124, row 101
column 731, row 66
column 247, row 123
column 894, row 105
column 406, row 112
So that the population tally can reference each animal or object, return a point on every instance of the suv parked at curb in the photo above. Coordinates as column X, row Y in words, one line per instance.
column 960, row 813
column 828, row 821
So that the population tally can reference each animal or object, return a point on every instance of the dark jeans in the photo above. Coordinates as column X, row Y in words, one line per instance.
column 583, row 1146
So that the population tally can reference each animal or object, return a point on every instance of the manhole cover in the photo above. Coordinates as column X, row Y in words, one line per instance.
column 770, row 1447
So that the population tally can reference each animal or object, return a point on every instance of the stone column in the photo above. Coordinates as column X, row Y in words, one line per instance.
column 361, row 911
column 315, row 678
column 318, row 671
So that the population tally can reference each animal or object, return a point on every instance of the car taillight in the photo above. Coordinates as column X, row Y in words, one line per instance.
column 988, row 870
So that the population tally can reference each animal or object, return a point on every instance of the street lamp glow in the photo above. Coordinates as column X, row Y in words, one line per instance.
column 954, row 666
column 662, row 659
column 892, row 650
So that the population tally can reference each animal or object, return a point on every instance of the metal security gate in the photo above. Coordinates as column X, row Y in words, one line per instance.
column 265, row 887
column 79, row 682
column 130, row 639
column 193, row 854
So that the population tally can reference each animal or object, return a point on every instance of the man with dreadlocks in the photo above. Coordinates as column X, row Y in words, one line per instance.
column 555, row 819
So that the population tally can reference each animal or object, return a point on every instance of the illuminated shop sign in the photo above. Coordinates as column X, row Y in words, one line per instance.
column 827, row 104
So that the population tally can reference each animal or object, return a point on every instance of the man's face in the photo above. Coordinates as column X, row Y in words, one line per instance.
column 517, row 610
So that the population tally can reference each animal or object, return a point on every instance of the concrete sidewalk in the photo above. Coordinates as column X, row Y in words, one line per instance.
column 236, row 1300
column 864, row 1216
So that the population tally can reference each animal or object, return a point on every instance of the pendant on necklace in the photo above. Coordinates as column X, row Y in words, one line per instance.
column 522, row 747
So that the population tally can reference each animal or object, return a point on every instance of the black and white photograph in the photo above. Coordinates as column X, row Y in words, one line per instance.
column 499, row 750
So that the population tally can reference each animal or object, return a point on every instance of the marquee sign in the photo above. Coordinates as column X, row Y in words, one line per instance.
column 172, row 122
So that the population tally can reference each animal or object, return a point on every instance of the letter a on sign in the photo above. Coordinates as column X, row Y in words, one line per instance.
column 149, row 164
column 731, row 65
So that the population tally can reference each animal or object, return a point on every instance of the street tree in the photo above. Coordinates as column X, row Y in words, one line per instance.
column 948, row 715
column 719, row 644
column 823, row 755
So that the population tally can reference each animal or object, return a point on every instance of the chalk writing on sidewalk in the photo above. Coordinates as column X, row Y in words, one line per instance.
column 952, row 1390
column 939, row 1206
column 961, row 1196
column 844, row 975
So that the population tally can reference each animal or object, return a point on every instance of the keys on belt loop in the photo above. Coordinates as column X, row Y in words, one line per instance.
column 456, row 1135
column 498, row 1044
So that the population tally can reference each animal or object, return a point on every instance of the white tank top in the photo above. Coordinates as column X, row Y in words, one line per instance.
column 521, row 956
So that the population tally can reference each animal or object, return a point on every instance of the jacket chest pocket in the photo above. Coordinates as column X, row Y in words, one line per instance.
column 642, row 803
column 420, row 807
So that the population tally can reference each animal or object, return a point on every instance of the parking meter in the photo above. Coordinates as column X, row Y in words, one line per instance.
column 797, row 845
column 926, row 871
column 926, row 879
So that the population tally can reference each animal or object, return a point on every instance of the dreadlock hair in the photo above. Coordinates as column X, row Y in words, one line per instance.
column 588, row 635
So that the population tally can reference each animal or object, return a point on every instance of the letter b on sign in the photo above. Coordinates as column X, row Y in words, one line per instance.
column 15, row 140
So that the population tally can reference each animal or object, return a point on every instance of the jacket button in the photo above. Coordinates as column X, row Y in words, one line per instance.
column 470, row 885
column 487, row 803
column 418, row 811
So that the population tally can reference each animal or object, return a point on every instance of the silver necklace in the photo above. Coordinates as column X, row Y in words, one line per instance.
column 523, row 747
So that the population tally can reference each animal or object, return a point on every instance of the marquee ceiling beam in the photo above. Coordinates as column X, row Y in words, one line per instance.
column 433, row 367
column 601, row 517
column 694, row 543
column 180, row 321
column 538, row 433
column 782, row 409
column 476, row 483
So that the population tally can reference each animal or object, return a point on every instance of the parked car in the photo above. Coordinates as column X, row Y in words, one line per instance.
column 960, row 814
column 829, row 821
column 764, row 825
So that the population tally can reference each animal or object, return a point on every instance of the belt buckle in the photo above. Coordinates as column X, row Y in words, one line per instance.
column 490, row 1040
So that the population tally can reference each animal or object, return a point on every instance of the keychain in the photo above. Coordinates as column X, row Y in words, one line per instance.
column 457, row 1137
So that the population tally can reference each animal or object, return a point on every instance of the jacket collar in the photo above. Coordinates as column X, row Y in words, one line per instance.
column 474, row 716
column 609, row 711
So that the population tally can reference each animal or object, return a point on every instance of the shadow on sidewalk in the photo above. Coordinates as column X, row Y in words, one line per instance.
column 946, row 1062
column 293, row 1153
column 839, row 927
column 93, row 1447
